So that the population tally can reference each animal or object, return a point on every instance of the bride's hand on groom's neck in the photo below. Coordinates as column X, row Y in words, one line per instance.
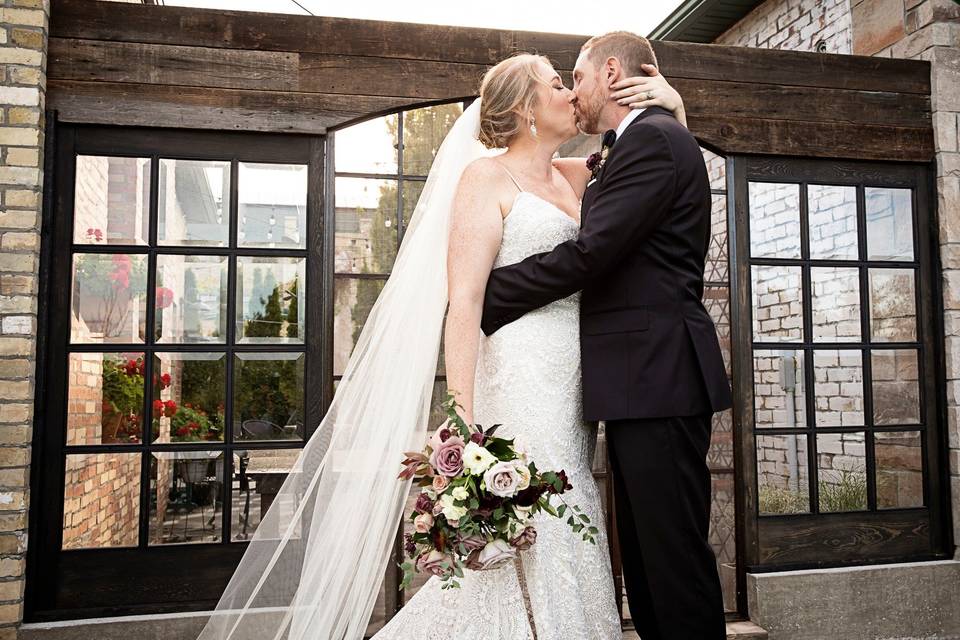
column 651, row 90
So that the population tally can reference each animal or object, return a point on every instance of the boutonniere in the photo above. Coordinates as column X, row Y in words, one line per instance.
column 596, row 160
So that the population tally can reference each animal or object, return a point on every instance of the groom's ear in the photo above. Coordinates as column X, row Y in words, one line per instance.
column 613, row 71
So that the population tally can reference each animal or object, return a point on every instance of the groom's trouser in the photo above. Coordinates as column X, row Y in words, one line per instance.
column 662, row 488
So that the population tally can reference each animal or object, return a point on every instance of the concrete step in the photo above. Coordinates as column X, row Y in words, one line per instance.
column 735, row 631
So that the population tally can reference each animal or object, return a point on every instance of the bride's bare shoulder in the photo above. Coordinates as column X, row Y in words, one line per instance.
column 483, row 170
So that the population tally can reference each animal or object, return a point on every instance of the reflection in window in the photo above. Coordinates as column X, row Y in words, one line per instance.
column 111, row 200
column 109, row 298
column 838, row 382
column 889, row 224
column 841, row 467
column 268, row 396
column 893, row 310
column 366, row 225
column 835, row 303
column 899, row 456
column 353, row 299
column 186, row 498
column 368, row 147
column 259, row 475
column 774, row 220
column 896, row 390
column 189, row 390
column 191, row 299
column 105, row 398
column 423, row 131
column 777, row 303
column 782, row 474
column 101, row 500
column 272, row 205
column 193, row 202
column 778, row 389
column 833, row 222
column 270, row 300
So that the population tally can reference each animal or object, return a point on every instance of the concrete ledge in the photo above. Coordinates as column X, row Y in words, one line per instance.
column 172, row 626
column 878, row 602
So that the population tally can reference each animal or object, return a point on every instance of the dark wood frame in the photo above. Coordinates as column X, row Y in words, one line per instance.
column 60, row 581
column 782, row 542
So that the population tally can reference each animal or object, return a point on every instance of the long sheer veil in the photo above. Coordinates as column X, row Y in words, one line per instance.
column 314, row 567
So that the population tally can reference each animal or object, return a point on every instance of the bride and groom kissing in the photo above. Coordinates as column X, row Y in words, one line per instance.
column 572, row 290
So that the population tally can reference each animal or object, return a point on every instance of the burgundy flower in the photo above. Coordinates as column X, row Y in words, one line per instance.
column 476, row 437
column 409, row 545
column 593, row 160
column 424, row 504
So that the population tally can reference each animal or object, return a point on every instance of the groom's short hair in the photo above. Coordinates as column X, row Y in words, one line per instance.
column 629, row 48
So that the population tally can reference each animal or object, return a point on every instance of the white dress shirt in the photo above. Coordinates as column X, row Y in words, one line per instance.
column 627, row 119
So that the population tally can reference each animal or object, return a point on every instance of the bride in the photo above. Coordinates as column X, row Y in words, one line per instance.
column 314, row 567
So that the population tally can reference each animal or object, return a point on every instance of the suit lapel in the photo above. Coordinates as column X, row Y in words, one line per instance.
column 593, row 187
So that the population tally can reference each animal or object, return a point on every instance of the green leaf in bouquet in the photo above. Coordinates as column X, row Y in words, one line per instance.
column 584, row 517
column 593, row 530
column 561, row 510
column 502, row 449
column 571, row 522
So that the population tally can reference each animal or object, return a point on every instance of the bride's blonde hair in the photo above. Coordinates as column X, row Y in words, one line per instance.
column 507, row 92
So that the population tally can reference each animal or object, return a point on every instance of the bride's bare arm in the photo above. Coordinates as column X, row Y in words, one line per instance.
column 476, row 228
column 575, row 171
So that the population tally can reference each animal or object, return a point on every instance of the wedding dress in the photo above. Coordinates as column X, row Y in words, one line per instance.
column 528, row 379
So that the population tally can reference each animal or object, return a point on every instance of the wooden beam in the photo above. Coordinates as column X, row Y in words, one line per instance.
column 206, row 108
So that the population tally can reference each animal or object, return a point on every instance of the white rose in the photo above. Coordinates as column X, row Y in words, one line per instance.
column 477, row 459
column 502, row 479
column 451, row 511
column 496, row 553
column 460, row 493
column 422, row 523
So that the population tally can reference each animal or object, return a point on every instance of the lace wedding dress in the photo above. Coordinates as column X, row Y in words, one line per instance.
column 528, row 379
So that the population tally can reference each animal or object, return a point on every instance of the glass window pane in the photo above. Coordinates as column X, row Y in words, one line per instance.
column 101, row 500
column 782, row 474
column 270, row 300
column 896, row 389
column 833, row 222
column 353, row 299
column 186, row 497
column 889, row 224
column 105, row 398
column 272, row 205
column 258, row 476
column 109, row 298
column 835, row 303
column 268, row 396
column 778, row 390
column 899, row 456
column 839, row 387
column 777, row 304
column 188, row 396
column 411, row 195
column 841, row 465
column 366, row 225
column 191, row 299
column 111, row 200
column 193, row 203
column 893, row 310
column 774, row 220
column 423, row 131
column 368, row 147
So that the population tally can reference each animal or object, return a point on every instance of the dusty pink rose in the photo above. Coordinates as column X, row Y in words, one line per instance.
column 447, row 458
column 496, row 553
column 440, row 483
column 503, row 479
column 525, row 540
column 432, row 563
column 423, row 522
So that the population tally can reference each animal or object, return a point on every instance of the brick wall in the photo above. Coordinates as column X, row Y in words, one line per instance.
column 23, row 37
column 798, row 25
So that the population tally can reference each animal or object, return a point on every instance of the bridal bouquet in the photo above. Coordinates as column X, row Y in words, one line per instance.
column 479, row 496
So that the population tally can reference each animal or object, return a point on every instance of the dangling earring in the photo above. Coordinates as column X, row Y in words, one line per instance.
column 533, row 126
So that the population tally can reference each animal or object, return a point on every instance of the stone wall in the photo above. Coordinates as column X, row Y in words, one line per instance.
column 23, row 39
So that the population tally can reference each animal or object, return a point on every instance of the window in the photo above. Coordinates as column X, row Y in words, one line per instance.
column 182, row 334
column 836, row 349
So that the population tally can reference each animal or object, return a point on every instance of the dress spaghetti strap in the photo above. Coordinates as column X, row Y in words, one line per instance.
column 514, row 180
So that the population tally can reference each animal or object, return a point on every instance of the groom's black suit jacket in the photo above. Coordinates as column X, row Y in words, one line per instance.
column 649, row 347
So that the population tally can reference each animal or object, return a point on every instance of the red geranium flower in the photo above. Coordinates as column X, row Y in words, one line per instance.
column 158, row 406
column 164, row 297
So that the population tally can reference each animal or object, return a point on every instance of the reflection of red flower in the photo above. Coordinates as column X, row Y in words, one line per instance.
column 164, row 297
column 158, row 407
column 193, row 426
column 130, row 368
column 97, row 234
column 170, row 408
column 183, row 431
column 165, row 380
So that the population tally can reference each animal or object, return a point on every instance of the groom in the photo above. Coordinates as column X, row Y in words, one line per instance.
column 652, row 368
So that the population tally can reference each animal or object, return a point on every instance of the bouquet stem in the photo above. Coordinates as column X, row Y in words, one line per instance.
column 522, row 578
